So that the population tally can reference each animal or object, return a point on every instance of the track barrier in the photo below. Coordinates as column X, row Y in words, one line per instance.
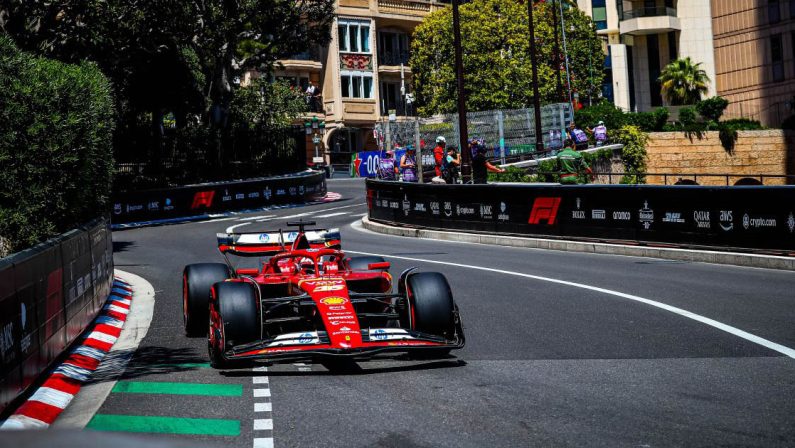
column 48, row 295
column 200, row 199
column 752, row 218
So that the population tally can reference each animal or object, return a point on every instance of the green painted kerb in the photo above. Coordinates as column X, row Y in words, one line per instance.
column 164, row 425
column 156, row 387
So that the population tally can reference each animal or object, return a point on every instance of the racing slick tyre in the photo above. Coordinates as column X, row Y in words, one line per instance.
column 197, row 279
column 362, row 263
column 432, row 302
column 238, row 322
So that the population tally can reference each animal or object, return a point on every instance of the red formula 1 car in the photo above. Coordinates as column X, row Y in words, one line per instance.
column 303, row 298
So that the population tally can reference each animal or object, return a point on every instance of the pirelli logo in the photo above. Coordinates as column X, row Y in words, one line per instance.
column 544, row 209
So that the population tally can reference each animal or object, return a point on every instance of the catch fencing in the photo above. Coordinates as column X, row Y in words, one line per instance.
column 508, row 134
column 48, row 296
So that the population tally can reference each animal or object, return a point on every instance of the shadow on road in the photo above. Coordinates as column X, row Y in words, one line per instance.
column 121, row 246
column 147, row 361
column 348, row 367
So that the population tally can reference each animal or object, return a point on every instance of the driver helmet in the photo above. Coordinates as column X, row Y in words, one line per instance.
column 441, row 139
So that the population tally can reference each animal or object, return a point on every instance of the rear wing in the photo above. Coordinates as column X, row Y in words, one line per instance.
column 274, row 242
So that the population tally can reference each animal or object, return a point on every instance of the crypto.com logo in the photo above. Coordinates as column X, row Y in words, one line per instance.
column 544, row 209
column 203, row 199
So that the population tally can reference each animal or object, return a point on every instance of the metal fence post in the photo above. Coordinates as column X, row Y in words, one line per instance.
column 388, row 137
column 501, row 130
column 417, row 145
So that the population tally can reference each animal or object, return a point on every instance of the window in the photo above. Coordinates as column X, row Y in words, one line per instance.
column 773, row 11
column 357, row 84
column 672, row 52
column 777, row 56
column 599, row 11
column 354, row 36
column 792, row 9
column 393, row 48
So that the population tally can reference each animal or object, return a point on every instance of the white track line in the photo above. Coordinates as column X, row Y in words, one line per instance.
column 231, row 228
column 684, row 313
column 263, row 409
column 331, row 214
column 251, row 218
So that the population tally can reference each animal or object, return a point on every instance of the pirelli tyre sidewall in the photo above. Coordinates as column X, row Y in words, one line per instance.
column 197, row 279
column 238, row 308
column 432, row 305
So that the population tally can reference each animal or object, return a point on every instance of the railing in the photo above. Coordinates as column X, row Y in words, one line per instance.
column 309, row 55
column 401, row 110
column 405, row 5
column 393, row 57
column 693, row 179
column 315, row 103
column 648, row 12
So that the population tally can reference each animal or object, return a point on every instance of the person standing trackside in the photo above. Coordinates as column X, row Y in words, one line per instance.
column 600, row 133
column 386, row 167
column 408, row 165
column 480, row 165
column 439, row 154
column 578, row 136
column 572, row 166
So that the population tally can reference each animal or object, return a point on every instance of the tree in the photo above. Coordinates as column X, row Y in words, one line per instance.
column 497, row 69
column 683, row 82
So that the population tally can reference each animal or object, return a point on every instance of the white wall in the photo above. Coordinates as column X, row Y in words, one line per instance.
column 695, row 39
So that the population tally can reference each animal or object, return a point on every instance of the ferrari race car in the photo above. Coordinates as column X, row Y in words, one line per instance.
column 302, row 298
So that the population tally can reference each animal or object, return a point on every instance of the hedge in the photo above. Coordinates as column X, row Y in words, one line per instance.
column 56, row 164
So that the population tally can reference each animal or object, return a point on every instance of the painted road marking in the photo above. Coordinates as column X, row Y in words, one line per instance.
column 682, row 312
column 164, row 425
column 252, row 218
column 156, row 387
column 332, row 214
column 263, row 407
column 264, row 422
column 232, row 228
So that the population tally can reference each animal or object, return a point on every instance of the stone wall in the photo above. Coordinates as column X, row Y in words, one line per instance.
column 755, row 153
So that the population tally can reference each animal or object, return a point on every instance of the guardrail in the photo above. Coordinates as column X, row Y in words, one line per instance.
column 202, row 199
column 48, row 295
column 748, row 218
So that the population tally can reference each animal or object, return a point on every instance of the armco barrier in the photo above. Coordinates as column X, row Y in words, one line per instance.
column 48, row 295
column 191, row 200
column 754, row 217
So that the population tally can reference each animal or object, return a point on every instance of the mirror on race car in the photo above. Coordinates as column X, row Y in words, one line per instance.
column 380, row 265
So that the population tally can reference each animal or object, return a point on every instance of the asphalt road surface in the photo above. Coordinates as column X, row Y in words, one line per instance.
column 546, row 364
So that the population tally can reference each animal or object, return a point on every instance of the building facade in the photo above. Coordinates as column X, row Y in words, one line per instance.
column 755, row 57
column 362, row 75
column 747, row 48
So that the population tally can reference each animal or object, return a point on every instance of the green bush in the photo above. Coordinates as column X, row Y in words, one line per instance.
column 511, row 174
column 633, row 154
column 616, row 118
column 712, row 108
column 687, row 116
column 56, row 122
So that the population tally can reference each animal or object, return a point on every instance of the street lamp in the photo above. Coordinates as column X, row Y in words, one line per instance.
column 316, row 129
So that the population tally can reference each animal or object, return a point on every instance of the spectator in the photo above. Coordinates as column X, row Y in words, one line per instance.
column 578, row 136
column 439, row 154
column 599, row 133
column 408, row 165
column 481, row 165
column 573, row 168
column 310, row 96
column 386, row 167
column 450, row 166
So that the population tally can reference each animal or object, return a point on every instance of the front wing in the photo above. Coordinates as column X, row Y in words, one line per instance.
column 316, row 345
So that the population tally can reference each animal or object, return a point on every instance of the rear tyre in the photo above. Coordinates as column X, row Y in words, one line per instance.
column 197, row 279
column 362, row 263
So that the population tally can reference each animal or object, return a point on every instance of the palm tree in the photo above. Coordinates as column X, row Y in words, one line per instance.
column 683, row 82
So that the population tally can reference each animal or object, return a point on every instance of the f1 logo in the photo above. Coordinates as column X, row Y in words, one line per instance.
column 203, row 199
column 544, row 209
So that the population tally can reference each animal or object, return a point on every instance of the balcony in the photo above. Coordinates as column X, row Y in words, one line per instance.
column 656, row 20
column 417, row 8
column 307, row 60
column 394, row 58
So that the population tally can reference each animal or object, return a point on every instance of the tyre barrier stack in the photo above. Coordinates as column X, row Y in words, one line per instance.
column 49, row 294
column 745, row 219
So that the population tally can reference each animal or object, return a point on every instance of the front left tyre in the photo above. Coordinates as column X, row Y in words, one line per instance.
column 197, row 279
column 235, row 319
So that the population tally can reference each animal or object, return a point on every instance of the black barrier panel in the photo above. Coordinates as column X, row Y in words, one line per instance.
column 754, row 217
column 166, row 203
column 48, row 294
